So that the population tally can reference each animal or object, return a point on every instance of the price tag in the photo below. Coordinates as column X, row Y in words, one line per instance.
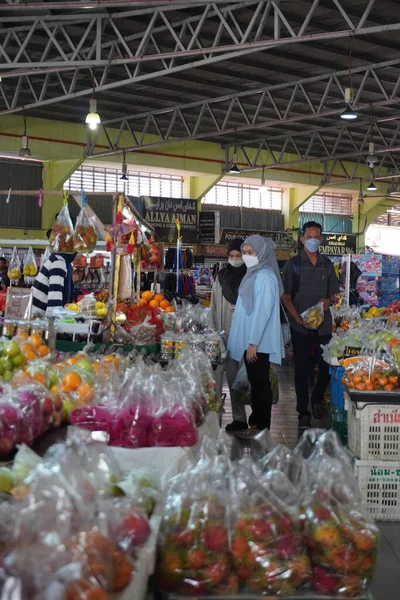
column 18, row 303
column 352, row 351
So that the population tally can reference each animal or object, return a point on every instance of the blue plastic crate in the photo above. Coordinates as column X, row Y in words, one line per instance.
column 337, row 387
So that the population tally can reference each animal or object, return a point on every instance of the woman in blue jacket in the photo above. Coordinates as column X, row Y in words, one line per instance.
column 256, row 334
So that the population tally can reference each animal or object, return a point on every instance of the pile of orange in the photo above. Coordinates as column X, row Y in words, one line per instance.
column 155, row 301
column 365, row 375
column 32, row 346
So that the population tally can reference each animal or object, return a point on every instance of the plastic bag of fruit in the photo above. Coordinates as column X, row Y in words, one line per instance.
column 186, row 369
column 313, row 317
column 194, row 557
column 173, row 422
column 62, row 235
column 133, row 413
column 45, row 256
column 207, row 380
column 142, row 486
column 342, row 540
column 96, row 408
column 371, row 373
column 10, row 423
column 64, row 548
column 14, row 267
column 30, row 267
column 85, row 465
column 85, row 236
column 268, row 550
column 127, row 522
column 144, row 334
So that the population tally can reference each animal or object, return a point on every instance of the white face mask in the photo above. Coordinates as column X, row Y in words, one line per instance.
column 235, row 262
column 250, row 261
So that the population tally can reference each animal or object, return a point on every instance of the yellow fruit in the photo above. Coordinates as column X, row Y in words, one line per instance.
column 100, row 305
column 14, row 273
column 73, row 307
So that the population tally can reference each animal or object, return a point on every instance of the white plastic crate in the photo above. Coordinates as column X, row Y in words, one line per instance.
column 373, row 430
column 379, row 483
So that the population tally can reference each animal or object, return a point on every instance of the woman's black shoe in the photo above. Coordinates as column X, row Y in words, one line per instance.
column 236, row 426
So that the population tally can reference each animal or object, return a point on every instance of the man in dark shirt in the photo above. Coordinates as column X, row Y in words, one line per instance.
column 309, row 278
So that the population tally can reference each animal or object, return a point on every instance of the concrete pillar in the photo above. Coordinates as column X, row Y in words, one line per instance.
column 293, row 199
column 196, row 187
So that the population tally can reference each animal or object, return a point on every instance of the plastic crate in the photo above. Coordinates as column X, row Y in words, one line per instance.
column 337, row 390
column 339, row 423
column 373, row 430
column 379, row 483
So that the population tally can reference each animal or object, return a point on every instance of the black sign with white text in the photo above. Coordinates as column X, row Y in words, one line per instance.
column 338, row 244
column 163, row 213
column 209, row 226
column 284, row 240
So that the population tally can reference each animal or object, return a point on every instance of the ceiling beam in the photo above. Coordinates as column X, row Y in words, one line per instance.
column 81, row 5
column 275, row 153
column 313, row 110
column 85, row 49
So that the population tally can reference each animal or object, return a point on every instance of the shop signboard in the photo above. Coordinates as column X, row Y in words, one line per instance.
column 216, row 251
column 18, row 303
column 284, row 240
column 209, row 221
column 338, row 244
column 162, row 214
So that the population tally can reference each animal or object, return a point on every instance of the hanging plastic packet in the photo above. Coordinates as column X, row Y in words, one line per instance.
column 14, row 267
column 85, row 236
column 62, row 235
column 45, row 256
column 30, row 267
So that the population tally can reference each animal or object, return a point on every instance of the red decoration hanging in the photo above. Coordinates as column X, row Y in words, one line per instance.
column 131, row 244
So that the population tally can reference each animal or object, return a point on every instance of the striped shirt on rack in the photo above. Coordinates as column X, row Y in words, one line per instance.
column 48, row 289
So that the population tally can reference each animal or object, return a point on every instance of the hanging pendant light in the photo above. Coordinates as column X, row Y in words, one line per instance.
column 93, row 118
column 372, row 187
column 124, row 168
column 234, row 169
column 349, row 114
column 371, row 159
column 25, row 150
column 262, row 189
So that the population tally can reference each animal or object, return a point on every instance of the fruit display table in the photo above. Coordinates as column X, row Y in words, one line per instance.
column 168, row 461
